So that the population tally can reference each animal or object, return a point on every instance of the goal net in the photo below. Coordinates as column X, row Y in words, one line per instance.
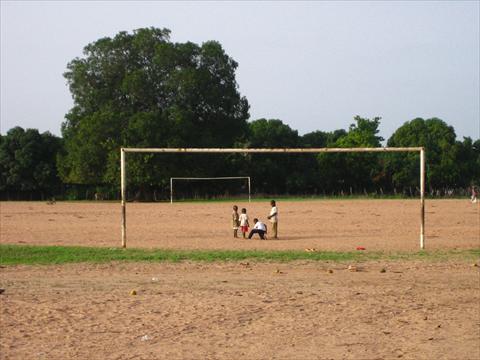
column 175, row 180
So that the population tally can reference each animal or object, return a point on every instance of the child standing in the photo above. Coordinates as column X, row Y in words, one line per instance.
column 473, row 198
column 235, row 221
column 244, row 222
column 273, row 217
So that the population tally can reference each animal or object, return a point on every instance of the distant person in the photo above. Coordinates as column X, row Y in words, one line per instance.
column 258, row 228
column 473, row 198
column 235, row 221
column 273, row 217
column 244, row 223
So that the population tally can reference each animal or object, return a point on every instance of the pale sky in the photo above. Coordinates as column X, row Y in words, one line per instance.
column 314, row 65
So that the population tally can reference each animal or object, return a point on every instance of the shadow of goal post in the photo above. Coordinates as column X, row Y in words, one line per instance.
column 123, row 182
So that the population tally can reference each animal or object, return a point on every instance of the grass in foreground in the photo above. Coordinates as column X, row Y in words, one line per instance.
column 44, row 255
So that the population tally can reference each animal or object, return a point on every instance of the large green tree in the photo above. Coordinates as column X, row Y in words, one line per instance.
column 320, row 139
column 439, row 140
column 468, row 162
column 273, row 173
column 351, row 171
column 142, row 90
column 27, row 163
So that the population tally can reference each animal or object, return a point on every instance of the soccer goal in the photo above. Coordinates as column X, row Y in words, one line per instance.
column 173, row 179
column 123, row 182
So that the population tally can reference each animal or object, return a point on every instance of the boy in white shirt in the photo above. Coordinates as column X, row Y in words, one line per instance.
column 244, row 222
column 273, row 217
column 259, row 228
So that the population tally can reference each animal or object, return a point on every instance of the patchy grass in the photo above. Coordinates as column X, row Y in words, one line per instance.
column 30, row 255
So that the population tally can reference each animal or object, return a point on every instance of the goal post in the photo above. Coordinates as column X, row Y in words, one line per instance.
column 123, row 182
column 211, row 178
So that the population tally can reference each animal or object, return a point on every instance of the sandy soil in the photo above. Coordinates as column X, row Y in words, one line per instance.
column 325, row 225
column 241, row 311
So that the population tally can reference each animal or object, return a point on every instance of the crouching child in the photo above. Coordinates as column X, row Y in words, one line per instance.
column 258, row 228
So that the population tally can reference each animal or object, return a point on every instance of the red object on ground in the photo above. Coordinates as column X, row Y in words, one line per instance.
column 360, row 248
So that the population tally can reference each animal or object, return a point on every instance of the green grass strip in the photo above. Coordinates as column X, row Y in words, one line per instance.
column 44, row 255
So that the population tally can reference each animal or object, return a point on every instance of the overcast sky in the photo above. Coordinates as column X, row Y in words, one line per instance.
column 314, row 65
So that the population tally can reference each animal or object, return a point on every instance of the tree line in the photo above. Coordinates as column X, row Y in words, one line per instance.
column 140, row 89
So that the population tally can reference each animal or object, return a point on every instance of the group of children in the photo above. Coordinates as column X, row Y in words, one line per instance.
column 241, row 221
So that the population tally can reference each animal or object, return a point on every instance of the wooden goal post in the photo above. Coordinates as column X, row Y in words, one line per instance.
column 211, row 178
column 123, row 182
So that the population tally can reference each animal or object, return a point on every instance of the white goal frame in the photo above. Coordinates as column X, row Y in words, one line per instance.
column 123, row 180
column 211, row 178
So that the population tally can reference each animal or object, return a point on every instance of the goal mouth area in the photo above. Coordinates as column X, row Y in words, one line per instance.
column 420, row 150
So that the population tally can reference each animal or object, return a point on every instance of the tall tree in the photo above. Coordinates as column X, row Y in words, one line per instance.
column 273, row 173
column 140, row 89
column 467, row 154
column 319, row 139
column 27, row 163
column 353, row 171
column 313, row 176
column 439, row 140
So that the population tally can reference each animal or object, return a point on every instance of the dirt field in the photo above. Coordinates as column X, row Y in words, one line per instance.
column 325, row 225
column 296, row 310
column 241, row 311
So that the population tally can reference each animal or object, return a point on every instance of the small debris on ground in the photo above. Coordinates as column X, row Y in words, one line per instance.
column 146, row 338
column 330, row 271
column 352, row 268
column 133, row 292
column 2, row 291
column 383, row 270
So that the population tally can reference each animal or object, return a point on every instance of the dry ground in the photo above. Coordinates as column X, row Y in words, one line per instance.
column 241, row 311
column 325, row 225
column 297, row 310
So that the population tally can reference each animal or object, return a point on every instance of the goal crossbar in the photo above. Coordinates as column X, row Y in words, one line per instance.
column 210, row 178
column 123, row 182
column 271, row 150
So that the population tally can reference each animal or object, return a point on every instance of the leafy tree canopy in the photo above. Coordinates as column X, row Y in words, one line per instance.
column 272, row 133
column 438, row 138
column 350, row 170
column 141, row 89
column 319, row 139
column 363, row 133
column 27, row 161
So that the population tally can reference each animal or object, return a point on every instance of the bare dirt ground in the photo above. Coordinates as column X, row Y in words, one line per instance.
column 324, row 225
column 299, row 310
